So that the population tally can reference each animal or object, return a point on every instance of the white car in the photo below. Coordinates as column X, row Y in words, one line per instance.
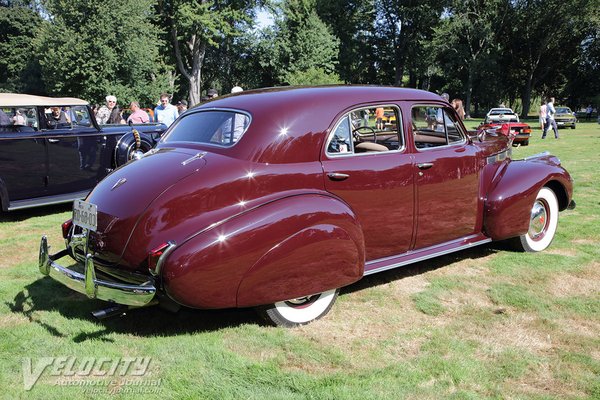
column 501, row 115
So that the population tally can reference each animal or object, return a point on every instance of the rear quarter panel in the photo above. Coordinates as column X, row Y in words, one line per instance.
column 288, row 248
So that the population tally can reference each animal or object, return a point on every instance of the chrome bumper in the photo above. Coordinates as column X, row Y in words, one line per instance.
column 117, row 292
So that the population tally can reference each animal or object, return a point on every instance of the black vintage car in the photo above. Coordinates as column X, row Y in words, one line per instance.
column 52, row 150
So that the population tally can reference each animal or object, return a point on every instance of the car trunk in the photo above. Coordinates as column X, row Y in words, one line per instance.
column 123, row 196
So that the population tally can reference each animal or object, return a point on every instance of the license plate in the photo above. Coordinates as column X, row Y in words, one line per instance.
column 85, row 215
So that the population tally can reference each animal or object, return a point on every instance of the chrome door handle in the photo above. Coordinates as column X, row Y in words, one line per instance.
column 53, row 140
column 425, row 165
column 336, row 176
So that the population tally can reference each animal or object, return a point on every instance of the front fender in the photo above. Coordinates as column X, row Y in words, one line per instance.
column 514, row 190
column 288, row 248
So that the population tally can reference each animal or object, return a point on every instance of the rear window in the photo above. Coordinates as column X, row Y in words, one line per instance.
column 222, row 128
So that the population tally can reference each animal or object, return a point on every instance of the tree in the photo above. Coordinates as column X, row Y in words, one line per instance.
column 353, row 23
column 91, row 49
column 467, row 46
column 19, row 69
column 196, row 26
column 305, row 46
column 544, row 38
column 402, row 27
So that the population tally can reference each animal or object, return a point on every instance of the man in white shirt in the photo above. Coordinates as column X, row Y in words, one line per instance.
column 165, row 112
column 550, row 111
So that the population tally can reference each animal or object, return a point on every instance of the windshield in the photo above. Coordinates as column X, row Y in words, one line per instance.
column 223, row 128
column 563, row 110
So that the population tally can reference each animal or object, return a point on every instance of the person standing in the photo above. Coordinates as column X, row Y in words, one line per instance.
column 182, row 106
column 588, row 111
column 550, row 111
column 138, row 116
column 457, row 104
column 109, row 113
column 543, row 115
column 379, row 118
column 165, row 112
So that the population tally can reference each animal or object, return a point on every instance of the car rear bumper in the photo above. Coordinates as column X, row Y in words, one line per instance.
column 140, row 294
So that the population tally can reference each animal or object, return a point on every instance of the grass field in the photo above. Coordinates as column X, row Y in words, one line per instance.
column 483, row 323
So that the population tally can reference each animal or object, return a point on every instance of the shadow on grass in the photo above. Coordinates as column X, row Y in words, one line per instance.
column 46, row 295
column 22, row 215
column 422, row 267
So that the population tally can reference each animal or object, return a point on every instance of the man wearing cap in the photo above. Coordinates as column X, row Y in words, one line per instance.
column 212, row 93
column 165, row 112
column 182, row 106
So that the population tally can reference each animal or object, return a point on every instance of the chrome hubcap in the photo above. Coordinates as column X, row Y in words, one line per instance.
column 538, row 221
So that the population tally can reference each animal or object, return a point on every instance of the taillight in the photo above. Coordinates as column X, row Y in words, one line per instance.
column 155, row 255
column 66, row 228
column 526, row 130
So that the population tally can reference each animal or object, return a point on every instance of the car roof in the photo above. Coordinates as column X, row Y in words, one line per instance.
column 288, row 123
column 499, row 109
column 24, row 100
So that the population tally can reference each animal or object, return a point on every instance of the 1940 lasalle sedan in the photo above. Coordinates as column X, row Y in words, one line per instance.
column 277, row 198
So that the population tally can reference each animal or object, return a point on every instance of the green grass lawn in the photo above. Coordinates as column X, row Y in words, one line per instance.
column 483, row 323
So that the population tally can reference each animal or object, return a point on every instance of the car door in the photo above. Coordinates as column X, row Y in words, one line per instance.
column 73, row 153
column 23, row 167
column 366, row 164
column 446, row 177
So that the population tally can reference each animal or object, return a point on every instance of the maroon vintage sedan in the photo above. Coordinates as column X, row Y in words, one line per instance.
column 277, row 198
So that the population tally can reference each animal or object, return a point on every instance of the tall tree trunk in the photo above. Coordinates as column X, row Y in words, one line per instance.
column 194, row 74
column 526, row 99
column 469, row 90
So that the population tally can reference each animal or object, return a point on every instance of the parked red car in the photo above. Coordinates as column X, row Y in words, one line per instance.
column 277, row 198
column 521, row 131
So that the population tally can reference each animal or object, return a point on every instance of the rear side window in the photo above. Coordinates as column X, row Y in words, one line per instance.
column 222, row 128
column 18, row 119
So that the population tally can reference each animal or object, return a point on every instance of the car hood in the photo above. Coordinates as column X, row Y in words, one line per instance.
column 123, row 196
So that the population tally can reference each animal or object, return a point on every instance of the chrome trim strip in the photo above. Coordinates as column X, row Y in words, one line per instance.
column 422, row 258
column 46, row 201
column 543, row 154
column 88, row 284
column 197, row 156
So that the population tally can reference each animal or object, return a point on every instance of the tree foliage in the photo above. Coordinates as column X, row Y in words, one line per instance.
column 483, row 51
column 91, row 49
column 19, row 71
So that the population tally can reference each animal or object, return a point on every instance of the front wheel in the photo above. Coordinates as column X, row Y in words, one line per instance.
column 542, row 223
column 300, row 311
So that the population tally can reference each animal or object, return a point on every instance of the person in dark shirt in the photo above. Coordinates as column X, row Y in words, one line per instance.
column 57, row 117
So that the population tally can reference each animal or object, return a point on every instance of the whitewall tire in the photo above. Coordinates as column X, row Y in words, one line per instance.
column 542, row 224
column 300, row 311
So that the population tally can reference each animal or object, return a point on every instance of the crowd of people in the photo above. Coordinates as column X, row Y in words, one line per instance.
column 164, row 112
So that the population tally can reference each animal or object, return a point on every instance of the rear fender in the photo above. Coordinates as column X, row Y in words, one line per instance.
column 514, row 189
column 288, row 248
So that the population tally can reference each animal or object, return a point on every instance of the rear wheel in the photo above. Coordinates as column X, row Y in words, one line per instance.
column 300, row 311
column 542, row 223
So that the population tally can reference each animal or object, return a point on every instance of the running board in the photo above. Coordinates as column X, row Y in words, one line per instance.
column 411, row 257
column 46, row 201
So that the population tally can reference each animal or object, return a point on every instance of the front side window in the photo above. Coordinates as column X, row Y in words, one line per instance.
column 434, row 127
column 366, row 130
column 223, row 128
